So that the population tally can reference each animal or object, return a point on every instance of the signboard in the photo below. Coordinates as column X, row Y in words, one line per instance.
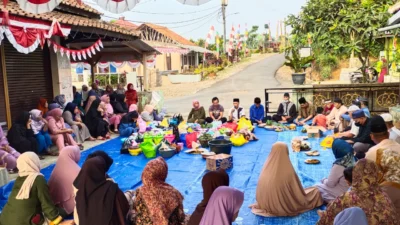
column 305, row 52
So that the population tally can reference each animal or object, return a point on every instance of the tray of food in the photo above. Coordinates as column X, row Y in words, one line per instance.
column 312, row 153
column 312, row 161
column 262, row 125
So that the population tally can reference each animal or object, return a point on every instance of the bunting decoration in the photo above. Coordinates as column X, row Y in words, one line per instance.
column 151, row 60
column 37, row 6
column 76, row 54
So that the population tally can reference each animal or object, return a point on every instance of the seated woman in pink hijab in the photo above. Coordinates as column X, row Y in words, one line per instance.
column 114, row 119
column 223, row 206
column 8, row 155
column 62, row 178
column 58, row 132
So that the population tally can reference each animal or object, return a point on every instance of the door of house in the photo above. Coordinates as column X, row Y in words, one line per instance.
column 169, row 61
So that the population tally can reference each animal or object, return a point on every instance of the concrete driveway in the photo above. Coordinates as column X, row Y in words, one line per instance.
column 245, row 85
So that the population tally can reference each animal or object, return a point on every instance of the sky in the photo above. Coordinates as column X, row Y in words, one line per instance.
column 195, row 21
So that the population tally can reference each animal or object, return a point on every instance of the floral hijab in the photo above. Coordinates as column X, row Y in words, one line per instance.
column 343, row 153
column 367, row 195
column 388, row 161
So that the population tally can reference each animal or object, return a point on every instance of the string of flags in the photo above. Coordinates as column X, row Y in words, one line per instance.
column 76, row 54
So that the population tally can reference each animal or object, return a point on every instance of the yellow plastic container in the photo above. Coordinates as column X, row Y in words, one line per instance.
column 135, row 152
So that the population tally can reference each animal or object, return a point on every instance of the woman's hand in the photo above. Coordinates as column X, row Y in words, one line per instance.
column 28, row 124
column 6, row 148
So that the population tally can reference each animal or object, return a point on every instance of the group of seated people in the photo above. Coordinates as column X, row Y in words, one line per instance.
column 92, row 197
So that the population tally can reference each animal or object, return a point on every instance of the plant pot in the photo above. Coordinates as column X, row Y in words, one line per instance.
column 298, row 78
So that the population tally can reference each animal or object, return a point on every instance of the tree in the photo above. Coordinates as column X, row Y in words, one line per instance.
column 201, row 42
column 342, row 27
column 252, row 41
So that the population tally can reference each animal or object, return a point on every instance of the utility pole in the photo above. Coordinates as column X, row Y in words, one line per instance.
column 224, row 5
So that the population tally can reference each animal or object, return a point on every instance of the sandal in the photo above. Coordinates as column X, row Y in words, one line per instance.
column 81, row 147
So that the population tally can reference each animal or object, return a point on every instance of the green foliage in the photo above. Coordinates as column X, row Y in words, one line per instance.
column 326, row 60
column 296, row 62
column 326, row 72
column 201, row 42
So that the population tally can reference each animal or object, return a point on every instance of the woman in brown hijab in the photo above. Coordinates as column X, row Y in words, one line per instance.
column 211, row 181
column 279, row 190
column 99, row 201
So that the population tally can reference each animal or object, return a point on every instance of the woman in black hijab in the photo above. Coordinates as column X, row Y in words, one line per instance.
column 117, row 106
column 128, row 124
column 98, row 127
column 211, row 181
column 21, row 136
column 98, row 200
column 121, row 99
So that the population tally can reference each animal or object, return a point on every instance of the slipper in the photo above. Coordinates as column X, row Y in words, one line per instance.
column 81, row 147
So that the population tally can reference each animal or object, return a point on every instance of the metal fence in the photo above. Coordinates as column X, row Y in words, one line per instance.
column 380, row 96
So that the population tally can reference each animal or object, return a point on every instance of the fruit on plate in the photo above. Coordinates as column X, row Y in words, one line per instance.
column 292, row 126
column 269, row 122
column 278, row 129
column 312, row 161
column 304, row 130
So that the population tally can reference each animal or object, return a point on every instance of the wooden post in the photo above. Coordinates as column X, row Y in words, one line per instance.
column 92, row 72
column 145, row 76
column 5, row 83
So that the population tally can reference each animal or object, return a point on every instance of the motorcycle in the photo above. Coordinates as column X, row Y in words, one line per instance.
column 356, row 77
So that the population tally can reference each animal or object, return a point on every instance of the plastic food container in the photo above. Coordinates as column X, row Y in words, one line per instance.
column 167, row 154
column 135, row 152
column 220, row 146
column 169, row 137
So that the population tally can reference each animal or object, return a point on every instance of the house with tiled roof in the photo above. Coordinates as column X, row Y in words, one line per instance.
column 37, row 51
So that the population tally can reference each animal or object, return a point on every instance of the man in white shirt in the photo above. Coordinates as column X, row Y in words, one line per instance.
column 354, row 129
column 380, row 136
column 394, row 133
column 338, row 110
column 236, row 112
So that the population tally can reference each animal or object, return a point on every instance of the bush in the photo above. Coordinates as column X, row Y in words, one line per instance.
column 326, row 72
column 324, row 61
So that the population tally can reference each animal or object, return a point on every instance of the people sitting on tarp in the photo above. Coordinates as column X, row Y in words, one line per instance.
column 197, row 114
column 60, row 135
column 41, row 130
column 146, row 201
column 93, row 94
column 306, row 112
column 62, row 178
column 128, row 124
column 95, row 121
column 21, row 136
column 320, row 118
column 216, row 112
column 78, row 102
column 120, row 89
column 352, row 130
column 328, row 107
column 210, row 182
column 72, row 117
column 335, row 184
column 257, row 112
column 30, row 201
column 236, row 112
column 286, row 111
column 274, row 197
column 98, row 199
column 364, row 106
column 113, row 118
column 394, row 132
column 109, row 90
column 117, row 102
column 366, row 194
column 85, row 94
column 223, row 206
column 148, row 113
column 60, row 100
column 131, row 95
column 338, row 110
column 8, row 155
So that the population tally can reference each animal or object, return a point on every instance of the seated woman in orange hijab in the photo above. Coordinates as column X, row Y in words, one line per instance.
column 279, row 190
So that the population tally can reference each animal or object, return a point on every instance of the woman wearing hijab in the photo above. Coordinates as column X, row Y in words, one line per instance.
column 351, row 216
column 223, row 207
column 8, row 155
column 388, row 161
column 121, row 99
column 58, row 132
column 79, row 103
column 210, row 182
column 43, row 106
column 128, row 124
column 335, row 185
column 98, row 200
column 366, row 194
column 41, row 130
column 60, row 100
column 109, row 90
column 21, row 136
column 113, row 118
column 133, row 107
column 120, row 89
column 95, row 121
column 279, row 190
column 156, row 202
column 72, row 117
column 62, row 178
column 197, row 114
column 29, row 201
column 148, row 113
column 131, row 96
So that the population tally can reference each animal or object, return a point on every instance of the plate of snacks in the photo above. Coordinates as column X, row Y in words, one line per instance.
column 312, row 161
column 262, row 125
column 312, row 153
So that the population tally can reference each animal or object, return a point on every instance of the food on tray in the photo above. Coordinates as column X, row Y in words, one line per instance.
column 262, row 125
column 292, row 127
column 269, row 122
column 312, row 153
column 278, row 129
column 304, row 130
column 269, row 127
column 305, row 146
column 312, row 161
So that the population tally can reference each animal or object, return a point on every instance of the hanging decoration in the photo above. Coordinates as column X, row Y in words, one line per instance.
column 37, row 6
column 151, row 62
column 193, row 2
column 76, row 54
column 231, row 40
column 238, row 39
column 217, row 43
column 27, row 34
column 117, row 6
column 245, row 38
column 208, row 39
column 169, row 50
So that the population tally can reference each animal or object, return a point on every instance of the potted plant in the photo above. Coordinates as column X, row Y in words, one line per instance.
column 204, row 139
column 298, row 65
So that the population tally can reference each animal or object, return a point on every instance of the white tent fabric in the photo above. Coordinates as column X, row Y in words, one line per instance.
column 117, row 6
column 193, row 2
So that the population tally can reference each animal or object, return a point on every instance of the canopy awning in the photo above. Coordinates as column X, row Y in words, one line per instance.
column 196, row 49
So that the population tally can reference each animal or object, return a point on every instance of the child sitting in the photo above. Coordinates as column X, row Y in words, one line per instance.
column 320, row 118
column 348, row 175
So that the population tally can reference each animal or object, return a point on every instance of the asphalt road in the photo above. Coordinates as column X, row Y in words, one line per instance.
column 245, row 85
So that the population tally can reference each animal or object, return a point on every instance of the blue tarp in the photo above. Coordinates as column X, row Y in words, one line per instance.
column 186, row 171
